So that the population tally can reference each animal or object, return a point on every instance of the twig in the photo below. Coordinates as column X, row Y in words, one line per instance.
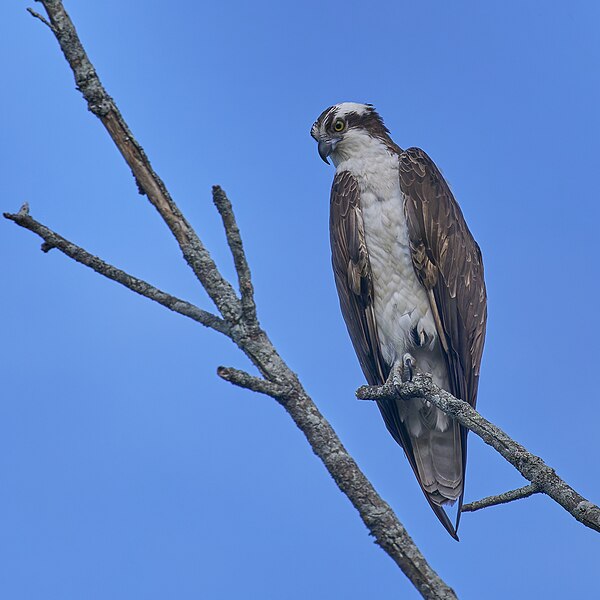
column 381, row 521
column 53, row 240
column 510, row 496
column 532, row 467
column 254, row 342
column 104, row 107
column 377, row 515
column 250, row 382
column 234, row 240
column 40, row 17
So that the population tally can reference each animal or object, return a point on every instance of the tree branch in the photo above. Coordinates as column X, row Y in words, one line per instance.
column 522, row 492
column 245, row 380
column 377, row 515
column 234, row 240
column 240, row 324
column 53, row 240
column 149, row 183
column 37, row 15
column 379, row 518
column 532, row 467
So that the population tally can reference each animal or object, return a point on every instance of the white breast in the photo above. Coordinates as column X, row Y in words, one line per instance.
column 401, row 303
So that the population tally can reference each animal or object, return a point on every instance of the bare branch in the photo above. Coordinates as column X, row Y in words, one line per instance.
column 234, row 239
column 532, row 467
column 241, row 325
column 250, row 382
column 510, row 496
column 381, row 521
column 388, row 531
column 53, row 240
column 103, row 106
column 40, row 17
column 379, row 518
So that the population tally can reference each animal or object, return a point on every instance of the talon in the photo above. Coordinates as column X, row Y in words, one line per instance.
column 409, row 366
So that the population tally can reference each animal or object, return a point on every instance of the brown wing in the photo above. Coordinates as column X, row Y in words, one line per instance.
column 353, row 275
column 447, row 260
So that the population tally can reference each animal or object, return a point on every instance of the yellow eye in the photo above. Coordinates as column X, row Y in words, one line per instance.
column 339, row 125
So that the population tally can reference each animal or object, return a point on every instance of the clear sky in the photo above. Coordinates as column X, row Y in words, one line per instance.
column 127, row 468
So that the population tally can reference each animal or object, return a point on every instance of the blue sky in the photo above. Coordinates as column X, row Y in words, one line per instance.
column 127, row 468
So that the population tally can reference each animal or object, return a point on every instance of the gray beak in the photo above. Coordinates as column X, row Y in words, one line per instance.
column 325, row 149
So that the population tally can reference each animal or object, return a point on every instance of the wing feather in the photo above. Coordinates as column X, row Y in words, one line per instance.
column 352, row 272
column 448, row 262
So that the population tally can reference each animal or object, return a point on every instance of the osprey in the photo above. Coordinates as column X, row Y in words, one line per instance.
column 409, row 276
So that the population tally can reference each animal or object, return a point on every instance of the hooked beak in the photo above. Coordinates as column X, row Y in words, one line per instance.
column 326, row 147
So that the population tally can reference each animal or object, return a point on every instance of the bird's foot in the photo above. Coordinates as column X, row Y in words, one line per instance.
column 402, row 371
column 408, row 367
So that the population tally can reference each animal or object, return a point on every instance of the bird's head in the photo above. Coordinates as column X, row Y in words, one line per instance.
column 342, row 129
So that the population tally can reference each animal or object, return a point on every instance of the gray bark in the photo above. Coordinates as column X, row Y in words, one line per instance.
column 238, row 321
column 504, row 498
column 238, row 313
column 530, row 466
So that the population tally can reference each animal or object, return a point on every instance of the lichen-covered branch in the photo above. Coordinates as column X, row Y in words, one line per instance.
column 377, row 515
column 149, row 183
column 240, row 317
column 234, row 240
column 379, row 518
column 504, row 498
column 250, row 382
column 37, row 15
column 532, row 467
column 139, row 286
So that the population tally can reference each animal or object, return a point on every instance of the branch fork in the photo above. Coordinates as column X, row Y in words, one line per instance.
column 238, row 320
column 542, row 477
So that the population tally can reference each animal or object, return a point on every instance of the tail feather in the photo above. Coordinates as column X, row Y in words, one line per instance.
column 438, row 458
column 434, row 448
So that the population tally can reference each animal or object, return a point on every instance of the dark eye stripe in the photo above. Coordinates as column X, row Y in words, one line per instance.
column 368, row 120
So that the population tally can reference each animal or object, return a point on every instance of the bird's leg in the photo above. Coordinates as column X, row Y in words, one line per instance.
column 395, row 376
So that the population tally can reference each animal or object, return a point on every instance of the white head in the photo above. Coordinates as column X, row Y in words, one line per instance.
column 342, row 129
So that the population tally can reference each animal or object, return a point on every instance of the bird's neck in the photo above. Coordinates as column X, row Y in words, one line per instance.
column 362, row 152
